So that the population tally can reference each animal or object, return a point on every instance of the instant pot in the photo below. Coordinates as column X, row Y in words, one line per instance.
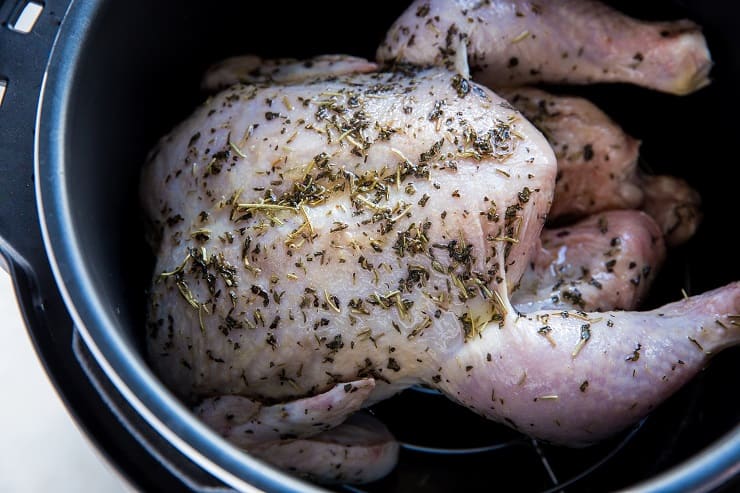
column 92, row 86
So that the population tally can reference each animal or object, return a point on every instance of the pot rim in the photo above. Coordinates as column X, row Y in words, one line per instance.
column 126, row 368
column 122, row 363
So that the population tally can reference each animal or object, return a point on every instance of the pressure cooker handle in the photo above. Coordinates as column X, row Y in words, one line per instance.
column 27, row 34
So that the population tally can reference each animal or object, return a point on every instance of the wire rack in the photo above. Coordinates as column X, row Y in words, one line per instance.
column 492, row 444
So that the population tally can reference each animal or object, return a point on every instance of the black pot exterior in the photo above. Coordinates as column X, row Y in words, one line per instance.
column 122, row 73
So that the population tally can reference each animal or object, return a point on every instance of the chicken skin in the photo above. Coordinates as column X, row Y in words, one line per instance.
column 604, row 262
column 328, row 236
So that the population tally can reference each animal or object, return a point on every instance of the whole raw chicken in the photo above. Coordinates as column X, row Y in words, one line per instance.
column 329, row 233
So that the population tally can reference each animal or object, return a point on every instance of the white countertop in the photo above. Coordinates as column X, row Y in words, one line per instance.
column 41, row 449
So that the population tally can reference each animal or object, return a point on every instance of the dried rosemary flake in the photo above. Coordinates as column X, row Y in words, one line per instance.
column 331, row 301
column 546, row 333
column 721, row 324
column 304, row 211
column 237, row 150
column 420, row 327
column 580, row 316
column 288, row 105
column 248, row 133
column 267, row 207
column 635, row 354
column 177, row 269
column 368, row 203
column 274, row 219
column 506, row 239
column 521, row 37
column 202, row 234
column 355, row 143
column 401, row 214
column 500, row 304
column 182, row 286
column 400, row 154
column 200, row 318
column 696, row 343
column 585, row 336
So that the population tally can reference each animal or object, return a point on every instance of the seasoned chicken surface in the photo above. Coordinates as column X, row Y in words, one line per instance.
column 572, row 377
column 359, row 450
column 357, row 234
column 299, row 223
column 517, row 42
column 328, row 233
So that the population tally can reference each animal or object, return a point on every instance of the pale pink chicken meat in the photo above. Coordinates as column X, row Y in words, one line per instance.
column 328, row 238
column 359, row 450
column 312, row 436
column 247, row 422
column 570, row 377
column 295, row 190
column 298, row 223
column 674, row 205
column 517, row 42
column 597, row 160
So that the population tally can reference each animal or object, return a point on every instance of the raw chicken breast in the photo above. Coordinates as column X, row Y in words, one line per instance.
column 299, row 223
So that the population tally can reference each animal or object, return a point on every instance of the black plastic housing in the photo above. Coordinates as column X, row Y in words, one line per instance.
column 123, row 73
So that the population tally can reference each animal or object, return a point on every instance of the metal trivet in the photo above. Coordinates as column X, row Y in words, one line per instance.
column 492, row 445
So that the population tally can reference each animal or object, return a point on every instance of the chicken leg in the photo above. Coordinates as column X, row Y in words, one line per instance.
column 517, row 42
column 574, row 378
